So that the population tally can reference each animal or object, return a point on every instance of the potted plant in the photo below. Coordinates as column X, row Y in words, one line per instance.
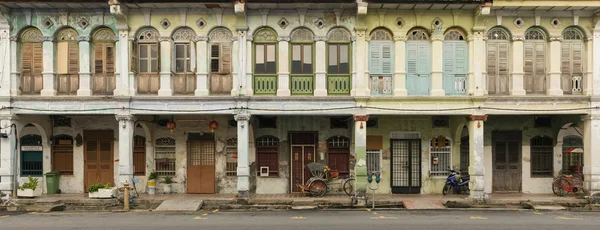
column 152, row 182
column 29, row 189
column 102, row 191
column 167, row 184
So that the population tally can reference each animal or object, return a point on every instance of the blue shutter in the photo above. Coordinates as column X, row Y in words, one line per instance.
column 411, row 67
column 387, row 61
column 423, row 68
column 449, row 69
column 374, row 58
column 461, row 67
column 455, row 67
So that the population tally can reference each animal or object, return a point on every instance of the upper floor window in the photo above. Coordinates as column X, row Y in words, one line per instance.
column 67, row 61
column 338, row 61
column 32, row 57
column 572, row 56
column 381, row 64
column 497, row 47
column 221, row 80
column 302, row 55
column 184, row 51
column 455, row 58
column 265, row 59
column 534, row 67
column 145, row 55
column 104, row 62
column 418, row 62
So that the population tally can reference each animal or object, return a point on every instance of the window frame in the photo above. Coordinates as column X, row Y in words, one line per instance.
column 23, row 142
column 438, row 150
column 536, row 152
column 56, row 148
column 503, row 38
column 137, row 171
column 339, row 145
column 272, row 148
column 567, row 144
column 265, row 58
column 187, row 58
column 378, row 159
column 165, row 142
column 338, row 45
column 230, row 150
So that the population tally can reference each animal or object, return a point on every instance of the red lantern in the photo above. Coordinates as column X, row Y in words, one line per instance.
column 171, row 125
column 213, row 125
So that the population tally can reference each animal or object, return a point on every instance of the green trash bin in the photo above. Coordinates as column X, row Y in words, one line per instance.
column 52, row 179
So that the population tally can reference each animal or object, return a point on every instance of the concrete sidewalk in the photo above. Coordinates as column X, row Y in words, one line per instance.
column 81, row 202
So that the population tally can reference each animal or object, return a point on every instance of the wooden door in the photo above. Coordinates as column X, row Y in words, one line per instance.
column 99, row 154
column 303, row 145
column 406, row 166
column 506, row 154
column 201, row 166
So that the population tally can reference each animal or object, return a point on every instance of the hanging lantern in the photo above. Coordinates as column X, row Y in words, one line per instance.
column 171, row 125
column 213, row 125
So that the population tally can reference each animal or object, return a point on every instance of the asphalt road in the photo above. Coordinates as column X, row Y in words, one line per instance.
column 306, row 220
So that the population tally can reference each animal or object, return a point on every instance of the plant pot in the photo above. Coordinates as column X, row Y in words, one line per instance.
column 29, row 192
column 151, row 187
column 167, row 188
column 104, row 193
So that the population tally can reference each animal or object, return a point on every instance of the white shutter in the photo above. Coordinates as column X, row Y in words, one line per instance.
column 528, row 66
column 492, row 67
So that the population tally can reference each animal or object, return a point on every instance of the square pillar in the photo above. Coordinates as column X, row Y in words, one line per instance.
column 241, row 58
column 517, row 87
column 360, row 149
column 283, row 88
column 589, row 66
column 400, row 66
column 476, row 157
column 243, row 168
column 320, row 66
column 477, row 57
column 166, row 87
column 126, row 129
column 202, row 82
column 85, row 73
column 595, row 83
column 122, row 87
column 5, row 62
column 247, row 89
column 437, row 64
column 553, row 78
column 15, row 75
column 7, row 154
column 48, row 75
column 591, row 158
column 360, row 86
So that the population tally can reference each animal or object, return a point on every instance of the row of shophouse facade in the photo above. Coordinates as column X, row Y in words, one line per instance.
column 238, row 96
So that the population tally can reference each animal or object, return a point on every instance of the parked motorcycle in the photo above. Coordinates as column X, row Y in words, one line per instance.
column 456, row 183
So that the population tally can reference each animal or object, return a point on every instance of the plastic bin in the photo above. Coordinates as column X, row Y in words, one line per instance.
column 52, row 182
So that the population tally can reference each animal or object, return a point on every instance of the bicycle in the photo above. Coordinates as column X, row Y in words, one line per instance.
column 322, row 179
column 565, row 184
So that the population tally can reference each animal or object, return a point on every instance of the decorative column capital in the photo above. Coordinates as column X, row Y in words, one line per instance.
column 437, row 37
column 14, row 39
column 164, row 39
column 242, row 117
column 590, row 117
column 125, row 118
column 47, row 38
column 400, row 38
column 320, row 38
column 83, row 38
column 477, row 117
column 283, row 39
column 200, row 38
column 556, row 39
column 361, row 117
column 249, row 38
column 518, row 38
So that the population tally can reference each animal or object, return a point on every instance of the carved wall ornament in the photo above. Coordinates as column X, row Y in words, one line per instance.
column 400, row 23
column 436, row 24
column 164, row 39
column 519, row 22
column 555, row 22
column 283, row 23
column 339, row 34
column 400, row 38
column 283, row 39
column 47, row 38
column 104, row 34
column 165, row 23
column 83, row 23
column 201, row 23
column 518, row 38
column 220, row 35
column 148, row 34
column 320, row 23
column 200, row 38
column 31, row 35
column 47, row 23
column 302, row 34
column 320, row 38
column 184, row 34
column 83, row 38
column 68, row 34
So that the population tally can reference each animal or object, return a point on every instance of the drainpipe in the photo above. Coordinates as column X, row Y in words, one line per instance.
column 14, row 160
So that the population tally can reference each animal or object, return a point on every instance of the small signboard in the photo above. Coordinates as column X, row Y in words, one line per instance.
column 31, row 148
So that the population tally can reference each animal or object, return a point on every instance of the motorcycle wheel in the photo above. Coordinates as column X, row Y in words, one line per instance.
column 447, row 189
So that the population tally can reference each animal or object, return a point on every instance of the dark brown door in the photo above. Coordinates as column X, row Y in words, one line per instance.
column 506, row 154
column 99, row 154
column 303, row 152
column 201, row 166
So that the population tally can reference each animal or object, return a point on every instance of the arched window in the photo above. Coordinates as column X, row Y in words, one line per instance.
column 441, row 155
column 265, row 61
column 164, row 157
column 338, row 64
column 67, row 61
column 62, row 154
column 221, row 80
column 534, row 67
column 572, row 159
column 456, row 62
column 267, row 156
column 184, row 61
column 146, row 56
column 32, row 160
column 231, row 155
column 32, row 65
column 418, row 62
column 542, row 157
column 497, row 61
column 381, row 62
column 302, row 76
column 139, row 155
column 104, row 62
column 572, row 59
column 339, row 154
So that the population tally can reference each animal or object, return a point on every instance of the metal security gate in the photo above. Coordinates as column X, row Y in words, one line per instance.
column 201, row 163
column 406, row 166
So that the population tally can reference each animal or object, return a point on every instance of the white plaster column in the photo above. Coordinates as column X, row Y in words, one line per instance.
column 201, row 66
column 238, row 85
column 476, row 157
column 247, row 84
column 589, row 66
column 49, row 88
column 517, row 87
column 553, row 78
column 85, row 73
column 483, row 64
column 591, row 158
column 15, row 74
column 472, row 63
column 5, row 60
column 361, row 88
column 243, row 168
column 166, row 83
column 235, row 64
column 360, row 149
column 283, row 88
column 320, row 66
column 479, row 55
column 122, row 87
column 437, row 64
column 126, row 129
column 7, row 154
column 400, row 66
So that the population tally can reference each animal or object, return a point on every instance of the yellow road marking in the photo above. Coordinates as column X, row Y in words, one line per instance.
column 3, row 216
column 216, row 210
column 32, row 213
column 478, row 218
column 567, row 218
column 374, row 213
column 200, row 218
column 368, row 209
column 298, row 218
column 384, row 217
column 538, row 213
column 205, row 214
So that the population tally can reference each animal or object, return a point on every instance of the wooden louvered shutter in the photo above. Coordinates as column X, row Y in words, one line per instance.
column 375, row 58
column 73, row 67
column 461, row 67
column 565, row 68
column 423, row 68
column 225, row 58
column 540, row 68
column 502, row 68
column 492, row 68
column 134, row 62
column 38, row 67
column 98, row 58
column 411, row 67
column 449, row 57
column 27, row 71
column 528, row 66
column 387, row 61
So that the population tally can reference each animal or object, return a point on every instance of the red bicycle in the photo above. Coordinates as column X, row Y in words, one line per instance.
column 568, row 183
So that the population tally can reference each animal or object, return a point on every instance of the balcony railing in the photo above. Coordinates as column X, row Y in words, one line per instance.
column 302, row 84
column 381, row 85
column 265, row 84
column 338, row 84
